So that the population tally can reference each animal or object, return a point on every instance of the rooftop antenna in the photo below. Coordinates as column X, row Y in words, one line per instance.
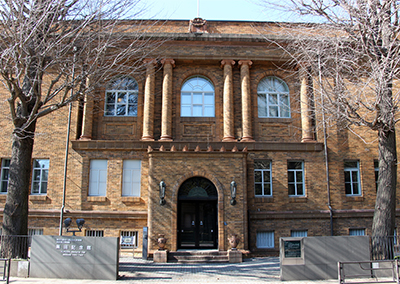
column 198, row 8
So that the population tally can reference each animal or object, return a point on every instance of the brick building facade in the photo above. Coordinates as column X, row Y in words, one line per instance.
column 217, row 110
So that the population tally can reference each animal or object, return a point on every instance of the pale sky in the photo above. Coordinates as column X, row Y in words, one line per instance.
column 236, row 10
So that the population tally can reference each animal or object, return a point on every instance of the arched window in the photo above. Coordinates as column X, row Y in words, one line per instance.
column 122, row 97
column 273, row 98
column 197, row 98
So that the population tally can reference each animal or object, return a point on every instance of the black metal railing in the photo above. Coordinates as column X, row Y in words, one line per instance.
column 14, row 246
column 385, row 248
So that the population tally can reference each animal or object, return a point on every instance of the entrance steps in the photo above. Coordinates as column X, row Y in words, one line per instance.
column 198, row 256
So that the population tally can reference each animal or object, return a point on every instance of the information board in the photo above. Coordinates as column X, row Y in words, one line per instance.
column 292, row 249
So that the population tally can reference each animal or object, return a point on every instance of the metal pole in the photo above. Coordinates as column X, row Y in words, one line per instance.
column 67, row 148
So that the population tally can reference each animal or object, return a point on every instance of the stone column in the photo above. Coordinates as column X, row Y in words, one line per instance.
column 305, row 105
column 87, row 121
column 166, row 113
column 228, row 101
column 246, row 100
column 148, row 111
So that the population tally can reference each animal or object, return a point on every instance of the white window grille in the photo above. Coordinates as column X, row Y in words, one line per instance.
column 40, row 175
column 262, row 178
column 273, row 98
column 352, row 178
column 98, row 178
column 131, row 178
column 197, row 98
column 295, row 178
column 122, row 97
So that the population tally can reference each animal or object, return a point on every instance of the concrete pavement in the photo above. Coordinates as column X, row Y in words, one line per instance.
column 254, row 271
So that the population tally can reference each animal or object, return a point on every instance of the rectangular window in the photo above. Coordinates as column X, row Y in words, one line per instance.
column 128, row 239
column 295, row 178
column 265, row 239
column 5, row 170
column 34, row 232
column 356, row 232
column 40, row 175
column 262, row 178
column 131, row 178
column 94, row 233
column 298, row 233
column 376, row 168
column 98, row 178
column 352, row 178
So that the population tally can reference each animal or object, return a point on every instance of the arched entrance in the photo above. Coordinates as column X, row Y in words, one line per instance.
column 197, row 214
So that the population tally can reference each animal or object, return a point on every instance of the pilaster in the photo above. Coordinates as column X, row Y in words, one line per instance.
column 305, row 106
column 87, row 122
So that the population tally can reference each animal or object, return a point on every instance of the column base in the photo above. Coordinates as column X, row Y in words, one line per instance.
column 229, row 139
column 147, row 138
column 165, row 138
column 85, row 137
column 247, row 139
column 307, row 139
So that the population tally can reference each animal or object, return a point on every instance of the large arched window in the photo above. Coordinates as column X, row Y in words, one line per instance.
column 273, row 98
column 122, row 97
column 197, row 98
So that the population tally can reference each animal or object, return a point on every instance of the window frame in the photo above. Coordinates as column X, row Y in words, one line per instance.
column 295, row 182
column 117, row 92
column 97, row 187
column 42, row 181
column 267, row 95
column 126, row 192
column 270, row 240
column 94, row 233
column 298, row 233
column 352, row 170
column 263, row 183
column 4, row 176
column 195, row 91
column 356, row 231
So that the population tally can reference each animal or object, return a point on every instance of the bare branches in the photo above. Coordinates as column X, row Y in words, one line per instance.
column 40, row 39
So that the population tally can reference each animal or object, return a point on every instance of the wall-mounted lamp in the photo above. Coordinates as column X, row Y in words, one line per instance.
column 79, row 222
column 162, row 192
column 233, row 192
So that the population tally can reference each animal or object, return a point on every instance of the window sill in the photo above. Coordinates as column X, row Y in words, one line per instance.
column 132, row 199
column 275, row 120
column 354, row 198
column 297, row 199
column 96, row 198
column 119, row 118
column 197, row 119
column 264, row 199
column 34, row 197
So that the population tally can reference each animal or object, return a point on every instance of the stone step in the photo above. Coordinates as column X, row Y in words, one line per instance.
column 198, row 256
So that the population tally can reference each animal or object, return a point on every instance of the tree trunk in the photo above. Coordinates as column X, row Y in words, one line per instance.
column 385, row 206
column 15, row 216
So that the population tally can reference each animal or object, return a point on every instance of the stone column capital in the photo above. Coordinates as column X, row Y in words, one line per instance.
column 227, row 61
column 150, row 61
column 245, row 62
column 168, row 61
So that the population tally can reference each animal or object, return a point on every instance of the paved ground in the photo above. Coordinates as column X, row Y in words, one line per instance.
column 254, row 271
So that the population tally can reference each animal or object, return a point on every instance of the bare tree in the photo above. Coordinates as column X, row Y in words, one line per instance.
column 50, row 50
column 353, row 54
